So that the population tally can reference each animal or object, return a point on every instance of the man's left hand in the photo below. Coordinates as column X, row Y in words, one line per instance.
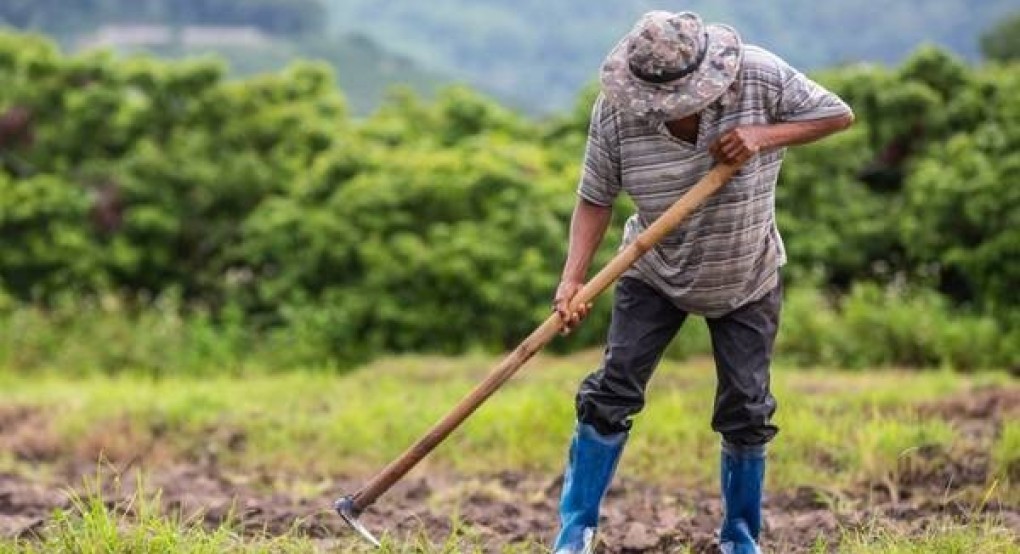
column 738, row 145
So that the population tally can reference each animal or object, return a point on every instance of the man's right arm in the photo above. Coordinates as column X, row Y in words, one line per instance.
column 598, row 188
column 587, row 227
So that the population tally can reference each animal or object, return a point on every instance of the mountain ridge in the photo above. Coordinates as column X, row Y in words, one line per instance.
column 546, row 51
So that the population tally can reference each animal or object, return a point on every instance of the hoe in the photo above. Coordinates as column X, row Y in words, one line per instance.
column 351, row 506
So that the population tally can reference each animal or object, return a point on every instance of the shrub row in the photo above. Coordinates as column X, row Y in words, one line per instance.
column 262, row 206
column 870, row 327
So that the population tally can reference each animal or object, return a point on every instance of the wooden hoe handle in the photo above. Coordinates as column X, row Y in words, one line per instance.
column 541, row 336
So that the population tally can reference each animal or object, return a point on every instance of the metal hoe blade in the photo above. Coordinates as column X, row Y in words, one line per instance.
column 345, row 507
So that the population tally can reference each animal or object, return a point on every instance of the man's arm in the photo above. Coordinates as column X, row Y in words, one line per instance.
column 587, row 227
column 799, row 109
column 598, row 188
column 743, row 142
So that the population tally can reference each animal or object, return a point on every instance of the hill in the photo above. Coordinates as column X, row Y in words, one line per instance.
column 533, row 54
column 545, row 51
column 364, row 70
column 253, row 36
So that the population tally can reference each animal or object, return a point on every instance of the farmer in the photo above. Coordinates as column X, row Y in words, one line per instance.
column 678, row 96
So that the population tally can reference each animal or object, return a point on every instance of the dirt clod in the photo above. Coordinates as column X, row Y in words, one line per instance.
column 638, row 537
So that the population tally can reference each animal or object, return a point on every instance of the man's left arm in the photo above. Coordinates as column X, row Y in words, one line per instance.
column 743, row 142
column 800, row 111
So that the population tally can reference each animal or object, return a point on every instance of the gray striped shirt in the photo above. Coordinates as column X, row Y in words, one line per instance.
column 727, row 252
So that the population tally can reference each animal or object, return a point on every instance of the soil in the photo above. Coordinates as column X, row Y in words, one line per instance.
column 520, row 508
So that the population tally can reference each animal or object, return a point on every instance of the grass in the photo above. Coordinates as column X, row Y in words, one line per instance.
column 838, row 430
column 948, row 539
column 91, row 526
column 136, row 526
column 1006, row 455
column 161, row 337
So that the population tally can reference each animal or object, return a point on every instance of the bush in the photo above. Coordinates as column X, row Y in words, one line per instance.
column 261, row 208
column 874, row 326
column 110, row 335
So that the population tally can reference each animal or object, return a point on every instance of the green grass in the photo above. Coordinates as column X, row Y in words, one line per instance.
column 1006, row 455
column 838, row 430
column 93, row 527
column 942, row 539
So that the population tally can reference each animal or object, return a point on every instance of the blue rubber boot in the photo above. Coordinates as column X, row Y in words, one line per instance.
column 743, row 471
column 592, row 462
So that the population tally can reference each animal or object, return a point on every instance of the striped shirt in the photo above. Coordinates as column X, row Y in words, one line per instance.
column 727, row 252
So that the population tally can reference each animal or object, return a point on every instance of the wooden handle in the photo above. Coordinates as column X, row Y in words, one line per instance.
column 541, row 336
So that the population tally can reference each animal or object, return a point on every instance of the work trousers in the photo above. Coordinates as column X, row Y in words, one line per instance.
column 644, row 322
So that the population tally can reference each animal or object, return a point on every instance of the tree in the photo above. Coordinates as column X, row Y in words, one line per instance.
column 1002, row 42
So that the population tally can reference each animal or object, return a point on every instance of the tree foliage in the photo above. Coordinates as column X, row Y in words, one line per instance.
column 441, row 225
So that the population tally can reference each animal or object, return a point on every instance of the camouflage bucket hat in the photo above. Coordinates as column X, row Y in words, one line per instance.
column 671, row 65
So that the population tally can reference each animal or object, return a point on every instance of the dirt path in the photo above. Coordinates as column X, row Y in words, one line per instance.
column 511, row 508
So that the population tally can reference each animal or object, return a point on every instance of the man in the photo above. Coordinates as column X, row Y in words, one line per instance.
column 678, row 96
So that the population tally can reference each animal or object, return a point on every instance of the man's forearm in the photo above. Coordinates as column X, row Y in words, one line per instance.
column 587, row 227
column 741, row 143
column 793, row 133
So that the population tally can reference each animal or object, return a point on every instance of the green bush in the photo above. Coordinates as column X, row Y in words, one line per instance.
column 874, row 326
column 109, row 335
column 261, row 208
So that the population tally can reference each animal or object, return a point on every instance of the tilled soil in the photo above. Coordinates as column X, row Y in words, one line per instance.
column 519, row 508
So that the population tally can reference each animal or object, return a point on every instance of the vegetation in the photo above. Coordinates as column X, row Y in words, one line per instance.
column 97, row 524
column 191, row 263
column 533, row 54
column 869, row 327
column 942, row 539
column 260, row 205
column 839, row 431
column 93, row 526
column 316, row 424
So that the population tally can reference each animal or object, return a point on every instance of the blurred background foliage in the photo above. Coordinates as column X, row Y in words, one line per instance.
column 158, row 215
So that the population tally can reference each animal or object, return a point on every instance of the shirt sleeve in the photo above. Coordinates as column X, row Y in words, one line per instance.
column 600, row 174
column 801, row 99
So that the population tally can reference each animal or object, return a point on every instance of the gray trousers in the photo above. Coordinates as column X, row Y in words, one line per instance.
column 644, row 322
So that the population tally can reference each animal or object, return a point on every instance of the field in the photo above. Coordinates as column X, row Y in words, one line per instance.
column 225, row 302
column 879, row 461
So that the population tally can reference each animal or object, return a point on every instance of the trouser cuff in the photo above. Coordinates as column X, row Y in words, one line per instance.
column 743, row 450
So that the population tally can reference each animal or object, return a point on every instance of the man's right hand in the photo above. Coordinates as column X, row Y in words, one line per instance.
column 565, row 292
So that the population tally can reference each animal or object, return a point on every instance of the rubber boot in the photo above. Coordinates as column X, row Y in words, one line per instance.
column 743, row 471
column 592, row 462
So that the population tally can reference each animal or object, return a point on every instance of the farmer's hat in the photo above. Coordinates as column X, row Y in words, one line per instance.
column 671, row 65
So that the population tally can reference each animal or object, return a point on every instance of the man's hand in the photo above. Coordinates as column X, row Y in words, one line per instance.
column 565, row 292
column 739, row 144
